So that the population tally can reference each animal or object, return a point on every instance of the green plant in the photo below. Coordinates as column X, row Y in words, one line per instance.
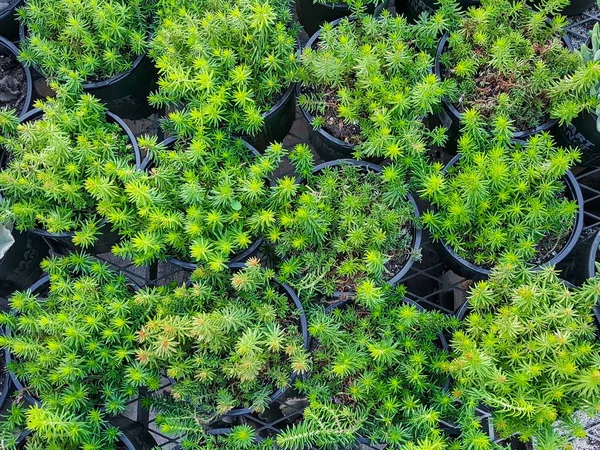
column 377, row 375
column 202, row 200
column 344, row 228
column 528, row 350
column 226, row 63
column 368, row 83
column 96, row 39
column 582, row 88
column 227, row 341
column 505, row 57
column 54, row 162
column 502, row 198
column 74, row 349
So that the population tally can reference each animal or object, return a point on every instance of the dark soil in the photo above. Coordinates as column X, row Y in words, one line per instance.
column 5, row 4
column 13, row 83
column 120, row 446
column 334, row 125
column 549, row 247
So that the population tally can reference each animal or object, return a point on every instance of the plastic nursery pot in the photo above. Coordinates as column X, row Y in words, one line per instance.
column 312, row 15
column 474, row 272
column 63, row 242
column 417, row 234
column 239, row 257
column 289, row 292
column 125, row 94
column 9, row 25
column 580, row 264
column 449, row 116
column 277, row 121
column 414, row 8
column 133, row 435
column 41, row 288
column 7, row 48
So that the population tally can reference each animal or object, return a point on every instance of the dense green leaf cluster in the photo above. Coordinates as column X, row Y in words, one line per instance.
column 74, row 349
column 367, row 82
column 204, row 199
column 528, row 350
column 56, row 164
column 502, row 198
column 505, row 57
column 227, row 341
column 345, row 228
column 97, row 39
column 226, row 65
column 376, row 375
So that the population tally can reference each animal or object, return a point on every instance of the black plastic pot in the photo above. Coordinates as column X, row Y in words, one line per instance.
column 580, row 264
column 125, row 94
column 277, row 121
column 9, row 25
column 20, row 266
column 471, row 271
column 133, row 435
column 449, row 116
column 414, row 8
column 289, row 292
column 417, row 232
column 239, row 257
column 8, row 48
column 63, row 242
column 7, row 385
column 312, row 15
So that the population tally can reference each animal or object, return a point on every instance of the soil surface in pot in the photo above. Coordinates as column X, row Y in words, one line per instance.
column 13, row 82
column 334, row 124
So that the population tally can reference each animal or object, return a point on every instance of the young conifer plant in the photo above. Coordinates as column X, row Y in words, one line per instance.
column 505, row 57
column 58, row 164
column 202, row 200
column 228, row 341
column 73, row 347
column 528, row 350
column 96, row 40
column 345, row 228
column 366, row 82
column 502, row 198
column 227, row 63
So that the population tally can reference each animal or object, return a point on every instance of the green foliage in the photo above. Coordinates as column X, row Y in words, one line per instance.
column 505, row 57
column 527, row 350
column 343, row 229
column 368, row 83
column 203, row 200
column 74, row 348
column 375, row 375
column 97, row 39
column 227, row 341
column 58, row 161
column 502, row 198
column 580, row 90
column 227, row 62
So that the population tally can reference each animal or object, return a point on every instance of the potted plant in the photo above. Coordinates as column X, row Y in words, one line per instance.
column 579, row 118
column 312, row 14
column 71, row 350
column 416, row 8
column 503, row 199
column 504, row 59
column 103, row 43
column 231, row 343
column 377, row 378
column 528, row 350
column 16, row 84
column 347, row 230
column 248, row 88
column 365, row 87
column 56, row 160
column 202, row 201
